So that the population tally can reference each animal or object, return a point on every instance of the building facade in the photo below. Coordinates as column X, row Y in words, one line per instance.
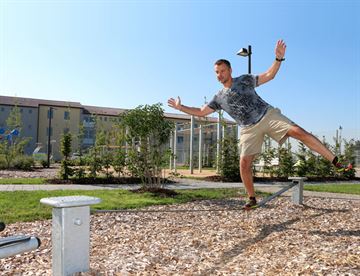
column 45, row 121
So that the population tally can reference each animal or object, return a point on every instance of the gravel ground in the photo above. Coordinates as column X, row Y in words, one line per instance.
column 320, row 238
column 37, row 172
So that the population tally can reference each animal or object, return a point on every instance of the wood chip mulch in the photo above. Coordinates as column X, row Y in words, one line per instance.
column 320, row 238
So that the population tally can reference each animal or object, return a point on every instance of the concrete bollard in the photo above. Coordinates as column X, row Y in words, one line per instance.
column 70, row 233
column 298, row 190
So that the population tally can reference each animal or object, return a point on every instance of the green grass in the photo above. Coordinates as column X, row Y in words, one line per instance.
column 25, row 205
column 334, row 188
column 22, row 181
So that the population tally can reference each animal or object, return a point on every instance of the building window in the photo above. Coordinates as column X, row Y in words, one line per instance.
column 29, row 126
column 66, row 130
column 66, row 115
column 21, row 110
column 105, row 119
column 180, row 139
column 30, row 111
column 2, row 109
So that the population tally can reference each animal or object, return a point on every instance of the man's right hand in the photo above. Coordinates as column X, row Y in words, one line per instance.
column 175, row 103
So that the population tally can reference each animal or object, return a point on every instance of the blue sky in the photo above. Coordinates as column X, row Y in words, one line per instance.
column 129, row 53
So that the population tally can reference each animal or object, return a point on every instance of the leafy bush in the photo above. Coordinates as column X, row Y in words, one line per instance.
column 44, row 163
column 147, row 126
column 3, row 164
column 23, row 162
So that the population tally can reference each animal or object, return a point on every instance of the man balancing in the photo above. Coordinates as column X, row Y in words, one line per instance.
column 255, row 116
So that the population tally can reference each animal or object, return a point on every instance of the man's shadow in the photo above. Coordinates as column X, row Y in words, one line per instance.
column 268, row 229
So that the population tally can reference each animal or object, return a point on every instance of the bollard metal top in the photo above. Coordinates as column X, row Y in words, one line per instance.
column 70, row 201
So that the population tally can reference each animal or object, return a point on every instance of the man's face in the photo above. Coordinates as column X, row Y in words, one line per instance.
column 223, row 73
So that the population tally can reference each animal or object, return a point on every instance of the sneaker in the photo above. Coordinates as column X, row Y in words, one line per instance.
column 251, row 203
column 341, row 167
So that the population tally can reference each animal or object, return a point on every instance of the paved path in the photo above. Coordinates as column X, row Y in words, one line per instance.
column 184, row 184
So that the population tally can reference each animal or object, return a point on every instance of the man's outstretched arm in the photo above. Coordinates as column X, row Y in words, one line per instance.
column 272, row 71
column 200, row 112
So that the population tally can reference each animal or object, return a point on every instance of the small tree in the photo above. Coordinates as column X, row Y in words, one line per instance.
column 267, row 156
column 229, row 162
column 324, row 166
column 66, row 171
column 94, row 159
column 311, row 163
column 301, row 164
column 119, row 158
column 12, row 145
column 146, row 159
column 286, row 161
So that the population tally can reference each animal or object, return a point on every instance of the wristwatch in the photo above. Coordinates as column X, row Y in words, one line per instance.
column 279, row 59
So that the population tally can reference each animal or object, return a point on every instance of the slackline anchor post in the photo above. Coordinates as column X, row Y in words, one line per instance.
column 298, row 190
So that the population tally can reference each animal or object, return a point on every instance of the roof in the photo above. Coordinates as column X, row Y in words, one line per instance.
column 109, row 111
column 88, row 109
column 29, row 102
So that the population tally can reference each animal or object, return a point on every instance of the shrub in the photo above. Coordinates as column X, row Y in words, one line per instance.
column 148, row 127
column 3, row 164
column 44, row 163
column 23, row 162
column 229, row 163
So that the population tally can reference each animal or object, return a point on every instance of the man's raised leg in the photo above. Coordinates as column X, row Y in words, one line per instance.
column 315, row 144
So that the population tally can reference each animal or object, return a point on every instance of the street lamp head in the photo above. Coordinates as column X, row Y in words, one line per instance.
column 246, row 53
column 243, row 52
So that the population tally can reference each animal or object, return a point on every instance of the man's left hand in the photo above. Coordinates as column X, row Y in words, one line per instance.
column 280, row 49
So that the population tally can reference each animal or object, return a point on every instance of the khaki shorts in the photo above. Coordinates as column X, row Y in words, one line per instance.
column 273, row 124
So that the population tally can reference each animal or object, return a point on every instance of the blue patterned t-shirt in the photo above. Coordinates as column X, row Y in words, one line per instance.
column 241, row 101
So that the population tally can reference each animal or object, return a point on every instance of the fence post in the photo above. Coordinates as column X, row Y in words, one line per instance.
column 200, row 148
column 171, row 150
column 191, row 144
column 218, row 140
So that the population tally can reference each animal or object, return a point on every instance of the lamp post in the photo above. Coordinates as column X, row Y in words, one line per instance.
column 49, row 136
column 246, row 53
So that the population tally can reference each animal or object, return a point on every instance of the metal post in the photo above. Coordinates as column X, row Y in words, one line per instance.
column 200, row 148
column 175, row 148
column 70, row 233
column 218, row 137
column 49, row 137
column 249, row 49
column 191, row 144
column 298, row 190
column 171, row 151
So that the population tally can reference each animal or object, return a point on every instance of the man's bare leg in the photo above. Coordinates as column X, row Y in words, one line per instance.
column 311, row 142
column 246, row 173
column 314, row 144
